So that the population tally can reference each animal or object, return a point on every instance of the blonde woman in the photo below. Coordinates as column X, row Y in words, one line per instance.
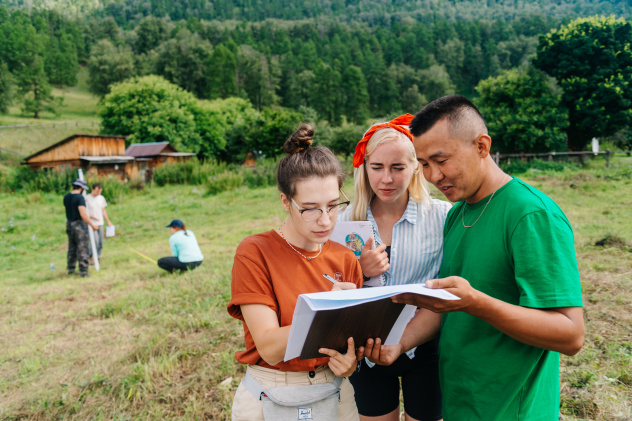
column 390, row 192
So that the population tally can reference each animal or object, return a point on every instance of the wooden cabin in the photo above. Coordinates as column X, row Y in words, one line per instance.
column 95, row 154
column 149, row 156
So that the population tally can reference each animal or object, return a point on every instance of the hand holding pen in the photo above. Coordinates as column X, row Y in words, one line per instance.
column 338, row 285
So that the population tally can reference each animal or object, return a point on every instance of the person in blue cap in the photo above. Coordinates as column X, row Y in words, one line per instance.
column 186, row 253
column 77, row 221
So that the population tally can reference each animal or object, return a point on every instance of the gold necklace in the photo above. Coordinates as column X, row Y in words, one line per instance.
column 479, row 216
column 302, row 255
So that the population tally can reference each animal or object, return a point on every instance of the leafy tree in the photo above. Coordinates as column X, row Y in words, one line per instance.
column 108, row 65
column 356, row 95
column 411, row 100
column 592, row 60
column 150, row 109
column 6, row 88
column 343, row 139
column 435, row 82
column 150, row 32
column 222, row 70
column 215, row 120
column 185, row 61
column 257, row 77
column 61, row 61
column 274, row 126
column 32, row 82
column 523, row 111
column 326, row 93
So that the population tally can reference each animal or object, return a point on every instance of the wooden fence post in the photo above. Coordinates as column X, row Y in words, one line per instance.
column 607, row 158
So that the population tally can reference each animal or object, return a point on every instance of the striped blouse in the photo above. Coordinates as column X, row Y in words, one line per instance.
column 416, row 245
column 417, row 242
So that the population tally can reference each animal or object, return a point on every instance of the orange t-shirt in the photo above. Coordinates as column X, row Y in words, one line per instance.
column 267, row 271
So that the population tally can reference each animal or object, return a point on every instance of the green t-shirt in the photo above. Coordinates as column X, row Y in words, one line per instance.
column 520, row 251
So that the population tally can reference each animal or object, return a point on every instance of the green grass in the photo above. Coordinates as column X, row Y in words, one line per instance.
column 79, row 107
column 133, row 342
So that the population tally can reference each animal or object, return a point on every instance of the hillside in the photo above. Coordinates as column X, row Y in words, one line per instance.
column 378, row 12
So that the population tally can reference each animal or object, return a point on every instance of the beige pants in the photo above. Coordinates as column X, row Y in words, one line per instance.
column 246, row 407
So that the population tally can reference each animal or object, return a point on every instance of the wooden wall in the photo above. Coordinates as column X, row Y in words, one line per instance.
column 81, row 146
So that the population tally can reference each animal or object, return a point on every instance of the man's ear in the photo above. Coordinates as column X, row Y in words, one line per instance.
column 483, row 145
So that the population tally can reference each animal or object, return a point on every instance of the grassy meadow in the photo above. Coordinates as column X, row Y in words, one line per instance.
column 79, row 107
column 134, row 342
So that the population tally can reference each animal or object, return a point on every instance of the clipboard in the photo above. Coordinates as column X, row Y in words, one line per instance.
column 327, row 319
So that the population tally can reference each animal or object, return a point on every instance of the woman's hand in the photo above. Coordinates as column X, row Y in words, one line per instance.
column 339, row 286
column 374, row 262
column 380, row 354
column 343, row 365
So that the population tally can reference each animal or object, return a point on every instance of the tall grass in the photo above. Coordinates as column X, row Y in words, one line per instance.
column 218, row 176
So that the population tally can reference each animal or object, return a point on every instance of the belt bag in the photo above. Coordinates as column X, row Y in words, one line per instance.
column 317, row 402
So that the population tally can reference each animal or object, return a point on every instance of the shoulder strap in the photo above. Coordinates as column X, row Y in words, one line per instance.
column 255, row 388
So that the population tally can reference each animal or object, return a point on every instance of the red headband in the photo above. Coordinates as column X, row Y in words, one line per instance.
column 397, row 123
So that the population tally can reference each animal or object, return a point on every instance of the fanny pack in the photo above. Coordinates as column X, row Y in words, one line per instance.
column 317, row 402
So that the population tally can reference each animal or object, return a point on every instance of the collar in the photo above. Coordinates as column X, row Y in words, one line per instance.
column 410, row 214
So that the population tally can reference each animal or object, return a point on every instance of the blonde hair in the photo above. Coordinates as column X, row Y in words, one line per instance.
column 417, row 188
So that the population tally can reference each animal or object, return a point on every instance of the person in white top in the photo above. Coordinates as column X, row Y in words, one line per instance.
column 392, row 194
column 96, row 204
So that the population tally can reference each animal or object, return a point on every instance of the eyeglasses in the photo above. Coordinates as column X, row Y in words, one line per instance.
column 313, row 214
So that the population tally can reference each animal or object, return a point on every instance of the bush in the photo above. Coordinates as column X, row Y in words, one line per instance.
column 225, row 181
column 22, row 178
column 189, row 172
column 263, row 175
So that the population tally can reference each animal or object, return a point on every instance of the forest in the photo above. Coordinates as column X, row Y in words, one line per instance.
column 339, row 62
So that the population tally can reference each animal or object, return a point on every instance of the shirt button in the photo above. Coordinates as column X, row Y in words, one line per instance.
column 312, row 374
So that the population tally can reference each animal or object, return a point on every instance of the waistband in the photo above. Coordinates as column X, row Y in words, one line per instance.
column 276, row 378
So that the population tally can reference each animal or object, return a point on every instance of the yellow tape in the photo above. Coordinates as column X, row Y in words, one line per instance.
column 136, row 251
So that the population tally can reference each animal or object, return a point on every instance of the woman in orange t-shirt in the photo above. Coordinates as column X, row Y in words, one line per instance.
column 273, row 268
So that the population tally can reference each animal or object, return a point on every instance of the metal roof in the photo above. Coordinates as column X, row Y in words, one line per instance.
column 115, row 159
column 149, row 149
column 177, row 154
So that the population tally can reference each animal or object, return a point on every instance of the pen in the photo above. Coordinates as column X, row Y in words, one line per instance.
column 329, row 278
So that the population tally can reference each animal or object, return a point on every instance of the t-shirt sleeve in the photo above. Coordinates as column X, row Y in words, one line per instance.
column 543, row 250
column 251, row 284
column 81, row 201
column 104, row 203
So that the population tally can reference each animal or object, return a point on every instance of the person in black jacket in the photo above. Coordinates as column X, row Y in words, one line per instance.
column 77, row 222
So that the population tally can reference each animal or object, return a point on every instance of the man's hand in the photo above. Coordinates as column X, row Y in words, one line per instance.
column 379, row 354
column 343, row 365
column 374, row 262
column 454, row 284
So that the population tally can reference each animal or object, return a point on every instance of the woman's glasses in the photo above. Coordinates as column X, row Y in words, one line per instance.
column 313, row 214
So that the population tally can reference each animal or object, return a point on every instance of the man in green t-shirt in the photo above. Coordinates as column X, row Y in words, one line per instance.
column 509, row 255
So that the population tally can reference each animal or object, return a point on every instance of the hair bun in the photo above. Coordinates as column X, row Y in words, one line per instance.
column 300, row 140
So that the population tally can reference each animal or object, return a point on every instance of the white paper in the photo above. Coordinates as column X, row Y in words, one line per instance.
column 354, row 235
column 109, row 230
column 308, row 304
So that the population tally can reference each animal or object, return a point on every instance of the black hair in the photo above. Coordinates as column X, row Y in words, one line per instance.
column 97, row 186
column 304, row 161
column 450, row 107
